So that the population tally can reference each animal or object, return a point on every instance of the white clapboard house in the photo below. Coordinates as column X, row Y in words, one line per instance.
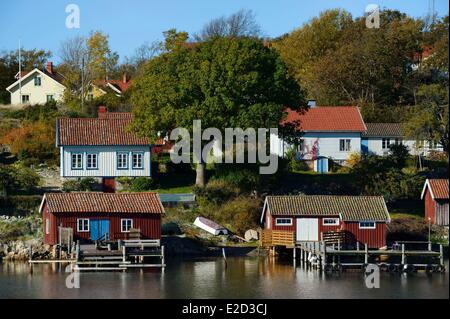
column 332, row 133
column 37, row 86
column 102, row 147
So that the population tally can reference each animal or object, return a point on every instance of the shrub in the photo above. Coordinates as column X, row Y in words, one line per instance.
column 142, row 184
column 238, row 214
column 398, row 154
column 17, row 178
column 32, row 140
column 246, row 178
column 85, row 184
column 215, row 192
column 20, row 205
column 294, row 164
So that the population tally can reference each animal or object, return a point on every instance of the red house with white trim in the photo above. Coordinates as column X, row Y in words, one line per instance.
column 436, row 199
column 93, row 216
column 362, row 218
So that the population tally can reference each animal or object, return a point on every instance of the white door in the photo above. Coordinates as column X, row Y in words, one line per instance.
column 307, row 229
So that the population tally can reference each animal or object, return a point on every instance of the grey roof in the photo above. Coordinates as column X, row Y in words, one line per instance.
column 383, row 130
column 350, row 208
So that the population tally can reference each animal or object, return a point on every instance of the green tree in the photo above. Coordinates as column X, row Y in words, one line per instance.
column 225, row 82
column 428, row 120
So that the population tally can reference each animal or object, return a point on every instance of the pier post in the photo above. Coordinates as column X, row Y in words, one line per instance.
column 77, row 251
column 366, row 255
column 163, row 258
column 124, row 258
column 357, row 245
column 403, row 255
column 324, row 255
column 441, row 255
column 294, row 253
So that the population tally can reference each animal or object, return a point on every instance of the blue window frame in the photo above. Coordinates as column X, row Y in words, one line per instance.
column 122, row 160
column 137, row 160
column 367, row 225
column 76, row 160
column 92, row 161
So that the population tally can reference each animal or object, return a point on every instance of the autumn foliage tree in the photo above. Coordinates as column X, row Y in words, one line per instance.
column 32, row 140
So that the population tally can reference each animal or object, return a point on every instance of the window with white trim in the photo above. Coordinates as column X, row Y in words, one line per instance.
column 50, row 97
column 37, row 81
column 47, row 226
column 92, row 161
column 283, row 221
column 385, row 143
column 82, row 225
column 77, row 161
column 138, row 160
column 330, row 221
column 25, row 98
column 345, row 145
column 122, row 160
column 367, row 225
column 127, row 224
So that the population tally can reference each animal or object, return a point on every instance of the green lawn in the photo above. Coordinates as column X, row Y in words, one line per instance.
column 175, row 183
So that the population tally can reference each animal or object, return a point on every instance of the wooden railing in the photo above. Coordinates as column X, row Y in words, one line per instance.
column 277, row 238
column 334, row 237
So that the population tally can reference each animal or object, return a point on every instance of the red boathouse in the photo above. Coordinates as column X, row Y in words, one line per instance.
column 363, row 219
column 435, row 194
column 93, row 216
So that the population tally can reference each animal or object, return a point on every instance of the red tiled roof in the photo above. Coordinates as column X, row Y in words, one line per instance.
column 115, row 115
column 327, row 119
column 118, row 84
column 97, row 131
column 104, row 203
column 439, row 188
column 383, row 130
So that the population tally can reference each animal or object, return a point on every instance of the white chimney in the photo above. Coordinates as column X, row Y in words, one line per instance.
column 312, row 103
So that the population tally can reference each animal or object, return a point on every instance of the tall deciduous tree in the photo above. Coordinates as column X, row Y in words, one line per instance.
column 224, row 82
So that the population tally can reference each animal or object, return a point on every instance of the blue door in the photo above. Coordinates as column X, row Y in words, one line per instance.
column 365, row 146
column 98, row 228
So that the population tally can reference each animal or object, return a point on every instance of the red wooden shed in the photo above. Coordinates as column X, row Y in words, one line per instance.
column 363, row 218
column 93, row 216
column 435, row 195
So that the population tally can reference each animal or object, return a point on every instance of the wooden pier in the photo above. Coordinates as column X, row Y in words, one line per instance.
column 335, row 257
column 119, row 256
column 334, row 253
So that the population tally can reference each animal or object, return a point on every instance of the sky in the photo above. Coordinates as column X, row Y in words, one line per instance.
column 129, row 24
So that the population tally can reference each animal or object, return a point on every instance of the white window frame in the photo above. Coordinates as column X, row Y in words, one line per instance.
column 47, row 226
column 122, row 224
column 368, row 227
column 385, row 143
column 80, row 161
column 125, row 160
column 36, row 81
column 347, row 145
column 336, row 221
column 138, row 154
column 27, row 100
column 84, row 224
column 96, row 161
column 50, row 97
column 278, row 221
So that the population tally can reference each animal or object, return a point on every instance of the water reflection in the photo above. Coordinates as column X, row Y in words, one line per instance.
column 212, row 278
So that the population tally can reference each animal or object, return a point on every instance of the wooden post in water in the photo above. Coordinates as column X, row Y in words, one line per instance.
column 366, row 255
column 357, row 245
column 324, row 257
column 441, row 255
column 163, row 260
column 403, row 254
column 224, row 257
column 77, row 251
column 124, row 255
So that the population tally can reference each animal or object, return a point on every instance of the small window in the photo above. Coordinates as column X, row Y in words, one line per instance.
column 127, row 224
column 25, row 98
column 92, row 161
column 301, row 146
column 47, row 226
column 82, row 225
column 138, row 160
column 37, row 81
column 77, row 161
column 122, row 160
column 345, row 145
column 50, row 98
column 367, row 225
column 385, row 143
column 283, row 221
column 331, row 221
